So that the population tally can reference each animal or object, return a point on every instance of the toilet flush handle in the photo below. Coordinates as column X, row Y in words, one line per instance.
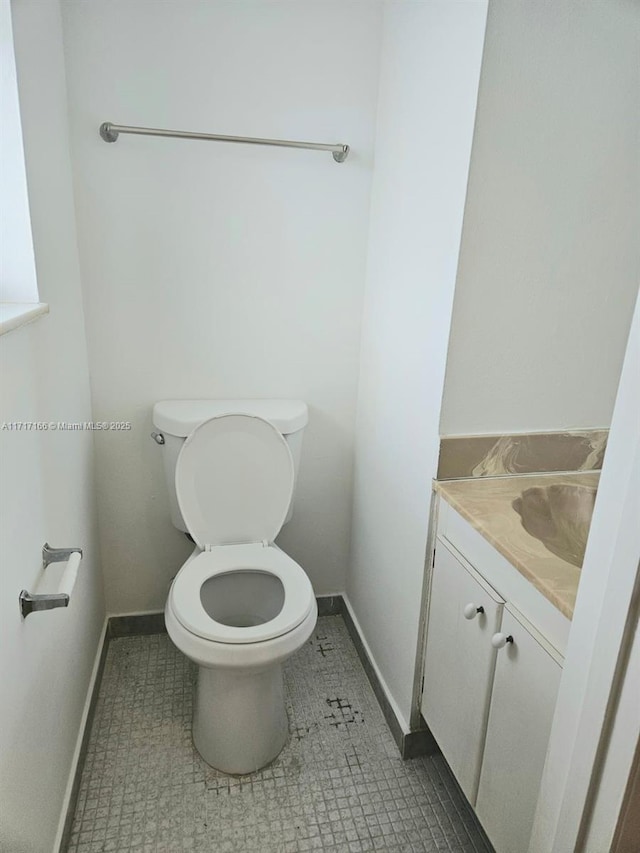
column 157, row 437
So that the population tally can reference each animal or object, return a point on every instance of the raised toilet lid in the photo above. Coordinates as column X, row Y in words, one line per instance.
column 189, row 606
column 234, row 481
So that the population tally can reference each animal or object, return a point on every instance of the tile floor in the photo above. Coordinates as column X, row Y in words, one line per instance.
column 338, row 785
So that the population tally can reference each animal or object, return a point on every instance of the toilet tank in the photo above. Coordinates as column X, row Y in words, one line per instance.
column 176, row 419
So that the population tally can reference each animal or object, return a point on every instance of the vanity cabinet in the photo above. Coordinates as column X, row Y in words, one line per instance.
column 523, row 698
column 491, row 675
column 465, row 613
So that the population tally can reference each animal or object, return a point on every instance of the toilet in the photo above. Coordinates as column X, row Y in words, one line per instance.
column 239, row 606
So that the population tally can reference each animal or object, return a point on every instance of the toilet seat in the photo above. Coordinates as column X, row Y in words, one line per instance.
column 299, row 599
column 234, row 481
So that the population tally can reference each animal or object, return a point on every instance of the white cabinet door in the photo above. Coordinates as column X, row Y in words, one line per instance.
column 525, row 689
column 459, row 663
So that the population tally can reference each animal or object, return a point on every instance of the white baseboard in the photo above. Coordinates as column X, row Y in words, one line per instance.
column 66, row 803
column 383, row 684
column 136, row 613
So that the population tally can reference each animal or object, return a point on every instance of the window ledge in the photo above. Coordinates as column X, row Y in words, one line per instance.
column 16, row 314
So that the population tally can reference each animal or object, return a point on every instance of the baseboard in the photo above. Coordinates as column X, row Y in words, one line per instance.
column 77, row 764
column 114, row 627
column 419, row 742
column 330, row 605
column 136, row 624
column 410, row 743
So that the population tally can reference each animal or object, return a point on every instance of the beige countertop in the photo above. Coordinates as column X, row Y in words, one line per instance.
column 486, row 504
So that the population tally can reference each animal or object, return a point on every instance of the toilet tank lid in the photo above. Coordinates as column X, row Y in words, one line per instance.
column 181, row 417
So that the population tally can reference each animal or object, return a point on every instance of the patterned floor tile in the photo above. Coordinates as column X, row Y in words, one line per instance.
column 338, row 786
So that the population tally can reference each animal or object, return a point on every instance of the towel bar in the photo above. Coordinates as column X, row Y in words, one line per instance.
column 110, row 132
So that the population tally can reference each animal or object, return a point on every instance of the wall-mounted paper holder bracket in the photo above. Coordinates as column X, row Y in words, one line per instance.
column 48, row 601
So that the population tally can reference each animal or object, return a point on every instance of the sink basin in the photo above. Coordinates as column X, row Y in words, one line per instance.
column 560, row 517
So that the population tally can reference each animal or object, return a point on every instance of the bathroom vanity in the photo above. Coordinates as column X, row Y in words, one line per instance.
column 500, row 608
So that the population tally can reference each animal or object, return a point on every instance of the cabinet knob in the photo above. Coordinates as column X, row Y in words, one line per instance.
column 471, row 611
column 500, row 640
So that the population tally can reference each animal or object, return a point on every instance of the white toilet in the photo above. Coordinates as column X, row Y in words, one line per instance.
column 239, row 606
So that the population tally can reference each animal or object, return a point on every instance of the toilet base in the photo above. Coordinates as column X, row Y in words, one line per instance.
column 240, row 719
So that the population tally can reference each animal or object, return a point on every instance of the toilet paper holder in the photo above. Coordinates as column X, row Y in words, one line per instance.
column 47, row 601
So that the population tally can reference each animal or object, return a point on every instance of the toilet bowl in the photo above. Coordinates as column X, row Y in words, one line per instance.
column 239, row 606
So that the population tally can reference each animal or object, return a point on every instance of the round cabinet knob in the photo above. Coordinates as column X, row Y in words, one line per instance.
column 499, row 641
column 471, row 611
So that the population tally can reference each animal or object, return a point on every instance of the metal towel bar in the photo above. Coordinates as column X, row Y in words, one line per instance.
column 110, row 132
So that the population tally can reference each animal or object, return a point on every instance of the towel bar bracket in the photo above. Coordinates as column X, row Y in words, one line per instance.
column 107, row 133
column 57, row 555
column 32, row 603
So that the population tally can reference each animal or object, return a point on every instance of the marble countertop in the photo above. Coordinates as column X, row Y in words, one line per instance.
column 486, row 504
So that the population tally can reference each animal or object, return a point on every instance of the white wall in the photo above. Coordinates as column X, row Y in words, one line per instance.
column 221, row 270
column 549, row 262
column 47, row 484
column 428, row 87
column 595, row 727
column 17, row 267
